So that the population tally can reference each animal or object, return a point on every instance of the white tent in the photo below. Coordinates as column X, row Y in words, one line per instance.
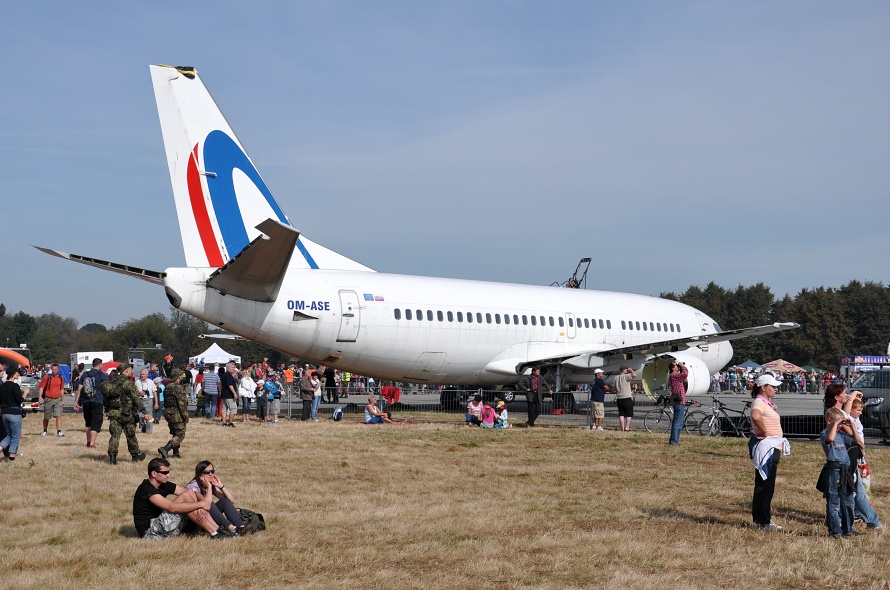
column 215, row 355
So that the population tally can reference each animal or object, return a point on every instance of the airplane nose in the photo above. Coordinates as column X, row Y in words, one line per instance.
column 724, row 355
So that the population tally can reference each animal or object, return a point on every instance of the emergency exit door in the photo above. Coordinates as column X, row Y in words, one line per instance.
column 350, row 316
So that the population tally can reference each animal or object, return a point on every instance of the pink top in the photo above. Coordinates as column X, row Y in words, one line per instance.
column 770, row 419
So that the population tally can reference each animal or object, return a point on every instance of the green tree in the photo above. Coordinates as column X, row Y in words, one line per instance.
column 45, row 348
column 186, row 340
column 824, row 334
column 867, row 312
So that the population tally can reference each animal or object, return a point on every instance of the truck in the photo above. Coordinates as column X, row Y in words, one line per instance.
column 87, row 358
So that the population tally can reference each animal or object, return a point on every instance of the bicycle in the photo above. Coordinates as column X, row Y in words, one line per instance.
column 739, row 422
column 659, row 419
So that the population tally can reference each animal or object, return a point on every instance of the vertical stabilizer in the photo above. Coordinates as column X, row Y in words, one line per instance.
column 220, row 196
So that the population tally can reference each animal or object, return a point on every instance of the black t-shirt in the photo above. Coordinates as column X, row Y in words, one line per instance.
column 329, row 380
column 143, row 509
column 228, row 379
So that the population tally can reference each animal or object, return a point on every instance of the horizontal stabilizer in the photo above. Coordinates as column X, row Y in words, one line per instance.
column 257, row 271
column 152, row 276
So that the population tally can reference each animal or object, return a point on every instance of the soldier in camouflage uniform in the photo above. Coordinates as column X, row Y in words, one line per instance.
column 176, row 413
column 122, row 403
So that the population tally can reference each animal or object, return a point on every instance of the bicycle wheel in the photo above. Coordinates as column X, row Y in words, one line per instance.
column 745, row 427
column 709, row 426
column 692, row 421
column 658, row 421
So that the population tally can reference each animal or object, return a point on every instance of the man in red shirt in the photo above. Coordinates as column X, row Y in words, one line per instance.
column 51, row 394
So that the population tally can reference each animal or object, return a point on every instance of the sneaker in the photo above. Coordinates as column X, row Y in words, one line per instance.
column 875, row 527
column 220, row 536
column 853, row 534
column 771, row 528
column 44, row 433
column 60, row 434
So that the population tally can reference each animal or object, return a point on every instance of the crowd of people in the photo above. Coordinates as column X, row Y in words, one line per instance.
column 741, row 380
column 205, row 503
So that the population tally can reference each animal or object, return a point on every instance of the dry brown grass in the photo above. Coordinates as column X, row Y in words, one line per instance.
column 435, row 506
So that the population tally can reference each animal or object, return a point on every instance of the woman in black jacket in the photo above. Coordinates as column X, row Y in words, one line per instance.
column 11, row 400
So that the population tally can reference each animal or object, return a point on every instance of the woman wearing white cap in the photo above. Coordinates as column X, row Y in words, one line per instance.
column 765, row 447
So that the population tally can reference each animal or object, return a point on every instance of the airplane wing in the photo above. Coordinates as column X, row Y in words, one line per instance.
column 152, row 276
column 257, row 271
column 515, row 361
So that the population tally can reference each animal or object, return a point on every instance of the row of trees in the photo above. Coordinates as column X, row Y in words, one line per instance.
column 853, row 319
column 52, row 338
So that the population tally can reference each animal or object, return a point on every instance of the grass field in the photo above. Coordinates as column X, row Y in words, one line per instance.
column 435, row 506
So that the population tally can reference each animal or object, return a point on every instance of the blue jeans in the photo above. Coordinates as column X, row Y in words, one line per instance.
column 245, row 405
column 316, row 401
column 863, row 508
column 677, row 423
column 211, row 404
column 838, row 507
column 13, row 425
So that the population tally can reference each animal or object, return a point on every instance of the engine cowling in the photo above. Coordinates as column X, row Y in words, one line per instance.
column 699, row 377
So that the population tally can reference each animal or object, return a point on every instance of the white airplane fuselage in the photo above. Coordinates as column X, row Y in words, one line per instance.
column 368, row 323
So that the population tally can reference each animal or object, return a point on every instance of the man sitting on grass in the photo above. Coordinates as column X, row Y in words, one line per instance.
column 156, row 517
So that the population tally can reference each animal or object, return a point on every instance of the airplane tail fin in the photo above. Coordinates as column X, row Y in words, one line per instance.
column 220, row 196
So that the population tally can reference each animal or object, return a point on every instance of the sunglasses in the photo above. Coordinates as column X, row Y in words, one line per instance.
column 164, row 472
column 209, row 471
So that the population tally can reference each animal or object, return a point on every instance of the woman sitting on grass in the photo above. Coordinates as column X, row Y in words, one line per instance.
column 222, row 511
column 374, row 415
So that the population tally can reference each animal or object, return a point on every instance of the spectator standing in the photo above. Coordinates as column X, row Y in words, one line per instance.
column 836, row 479
column 149, row 395
column 330, row 385
column 677, row 387
column 533, row 388
column 765, row 447
column 597, row 400
column 307, row 395
column 316, row 392
column 229, row 395
column 247, row 393
column 211, row 386
column 88, row 396
column 51, row 393
column 11, row 400
column 624, row 396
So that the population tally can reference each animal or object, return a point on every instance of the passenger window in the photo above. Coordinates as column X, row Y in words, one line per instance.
column 638, row 325
column 478, row 318
column 534, row 320
column 439, row 315
column 407, row 314
column 497, row 318
column 651, row 327
column 623, row 326
column 608, row 324
column 672, row 327
column 398, row 313
column 601, row 324
column 586, row 323
column 469, row 318
column 460, row 316
column 524, row 320
column 658, row 326
column 419, row 315
column 488, row 318
column 678, row 328
column 571, row 323
column 429, row 315
column 450, row 317
column 543, row 321
column 506, row 318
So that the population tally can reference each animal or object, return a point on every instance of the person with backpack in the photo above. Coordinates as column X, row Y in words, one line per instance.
column 176, row 412
column 51, row 393
column 122, row 402
column 89, row 397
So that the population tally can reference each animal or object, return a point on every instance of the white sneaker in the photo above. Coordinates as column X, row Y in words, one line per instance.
column 44, row 433
column 60, row 434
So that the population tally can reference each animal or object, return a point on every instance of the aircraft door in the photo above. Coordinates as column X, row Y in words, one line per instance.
column 350, row 316
column 570, row 325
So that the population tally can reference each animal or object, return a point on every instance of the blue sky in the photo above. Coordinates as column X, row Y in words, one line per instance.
column 675, row 143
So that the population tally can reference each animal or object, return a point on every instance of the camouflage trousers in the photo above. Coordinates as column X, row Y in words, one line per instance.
column 115, row 427
column 177, row 432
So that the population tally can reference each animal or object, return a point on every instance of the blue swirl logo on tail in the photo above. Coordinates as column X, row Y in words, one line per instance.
column 222, row 156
